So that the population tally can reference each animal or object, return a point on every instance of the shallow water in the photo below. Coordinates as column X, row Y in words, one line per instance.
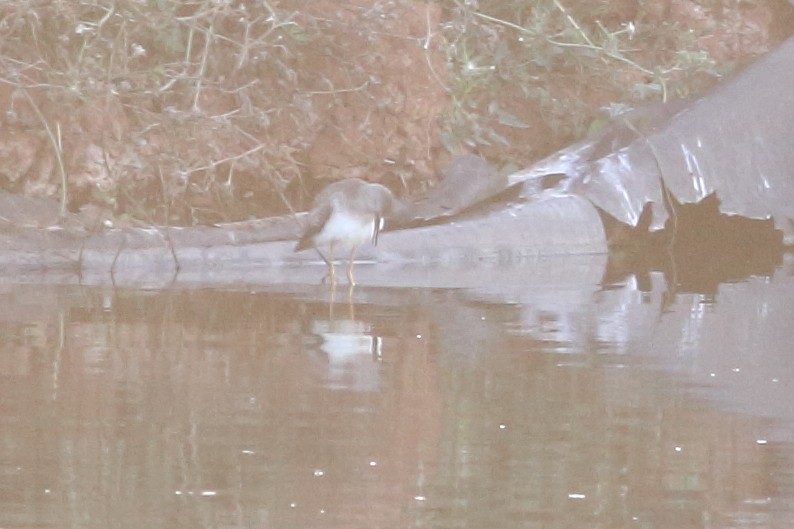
column 537, row 399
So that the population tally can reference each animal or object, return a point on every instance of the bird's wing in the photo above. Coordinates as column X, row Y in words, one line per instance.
column 317, row 218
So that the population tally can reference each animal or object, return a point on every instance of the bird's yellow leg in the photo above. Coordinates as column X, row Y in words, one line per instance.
column 350, row 266
column 330, row 263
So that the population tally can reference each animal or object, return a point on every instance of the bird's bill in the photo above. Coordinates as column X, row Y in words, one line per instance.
column 379, row 222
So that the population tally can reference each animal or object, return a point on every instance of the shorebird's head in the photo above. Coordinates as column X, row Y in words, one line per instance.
column 377, row 199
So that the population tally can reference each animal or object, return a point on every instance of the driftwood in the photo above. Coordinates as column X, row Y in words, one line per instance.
column 734, row 143
column 545, row 227
column 455, row 224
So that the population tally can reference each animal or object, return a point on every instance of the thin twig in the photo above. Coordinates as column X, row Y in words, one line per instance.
column 203, row 68
column 57, row 149
column 364, row 85
column 573, row 22
column 216, row 163
column 606, row 52
column 503, row 22
column 426, row 48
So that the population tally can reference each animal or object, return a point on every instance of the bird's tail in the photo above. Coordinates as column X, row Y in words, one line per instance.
column 303, row 244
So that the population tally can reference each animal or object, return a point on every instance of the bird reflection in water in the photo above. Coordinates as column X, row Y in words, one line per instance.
column 351, row 354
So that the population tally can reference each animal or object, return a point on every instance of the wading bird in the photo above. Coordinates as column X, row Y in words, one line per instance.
column 343, row 216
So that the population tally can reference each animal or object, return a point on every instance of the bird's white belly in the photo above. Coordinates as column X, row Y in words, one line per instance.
column 343, row 229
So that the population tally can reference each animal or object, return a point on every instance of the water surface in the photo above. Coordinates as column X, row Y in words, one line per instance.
column 537, row 398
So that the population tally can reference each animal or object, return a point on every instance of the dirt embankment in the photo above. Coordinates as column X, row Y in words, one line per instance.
column 189, row 113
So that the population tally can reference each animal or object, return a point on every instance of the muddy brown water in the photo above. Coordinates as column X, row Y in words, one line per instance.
column 500, row 401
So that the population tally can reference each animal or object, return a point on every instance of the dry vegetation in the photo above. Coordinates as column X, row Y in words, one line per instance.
column 192, row 112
